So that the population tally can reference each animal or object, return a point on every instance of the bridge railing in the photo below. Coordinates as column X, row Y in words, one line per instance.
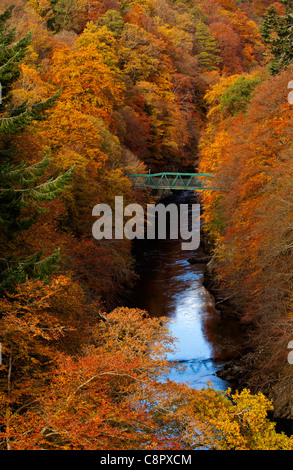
column 179, row 181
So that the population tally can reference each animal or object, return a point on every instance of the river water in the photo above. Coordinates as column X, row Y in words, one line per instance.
column 172, row 287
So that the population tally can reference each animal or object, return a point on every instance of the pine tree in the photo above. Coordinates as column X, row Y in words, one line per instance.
column 208, row 56
column 23, row 187
column 20, row 187
column 277, row 31
column 11, row 53
column 16, row 271
column 13, row 120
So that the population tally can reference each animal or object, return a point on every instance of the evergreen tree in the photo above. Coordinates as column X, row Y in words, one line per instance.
column 208, row 56
column 22, row 186
column 14, row 119
column 11, row 52
column 277, row 31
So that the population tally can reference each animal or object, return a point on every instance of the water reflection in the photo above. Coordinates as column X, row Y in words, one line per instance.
column 170, row 286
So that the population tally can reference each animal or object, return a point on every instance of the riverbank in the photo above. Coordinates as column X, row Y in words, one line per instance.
column 237, row 370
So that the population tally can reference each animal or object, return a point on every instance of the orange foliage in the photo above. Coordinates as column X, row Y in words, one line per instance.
column 250, row 152
column 131, row 96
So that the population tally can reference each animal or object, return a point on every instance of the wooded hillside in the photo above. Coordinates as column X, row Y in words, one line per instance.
column 93, row 91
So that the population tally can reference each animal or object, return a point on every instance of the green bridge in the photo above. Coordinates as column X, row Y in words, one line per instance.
column 182, row 181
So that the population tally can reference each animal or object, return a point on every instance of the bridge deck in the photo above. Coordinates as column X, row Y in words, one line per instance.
column 179, row 181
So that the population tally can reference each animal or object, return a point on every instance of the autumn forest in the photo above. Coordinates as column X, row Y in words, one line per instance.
column 93, row 91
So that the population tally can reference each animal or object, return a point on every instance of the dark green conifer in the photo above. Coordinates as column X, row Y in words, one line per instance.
column 208, row 56
column 277, row 31
column 23, row 187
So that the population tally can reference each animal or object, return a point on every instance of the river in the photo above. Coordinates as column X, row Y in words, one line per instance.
column 172, row 287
